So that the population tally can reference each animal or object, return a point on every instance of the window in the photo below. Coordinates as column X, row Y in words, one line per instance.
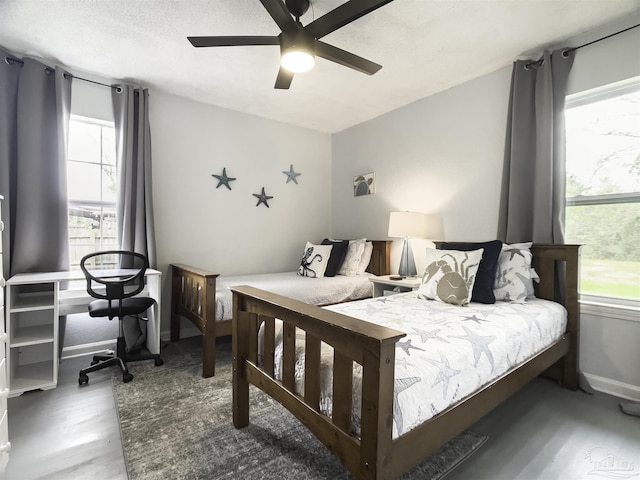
column 603, row 188
column 92, row 186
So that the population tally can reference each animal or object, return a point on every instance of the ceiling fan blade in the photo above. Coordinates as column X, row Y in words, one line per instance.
column 342, row 15
column 232, row 41
column 284, row 79
column 345, row 58
column 280, row 14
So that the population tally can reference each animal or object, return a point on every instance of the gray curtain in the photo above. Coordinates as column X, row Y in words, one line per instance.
column 34, row 107
column 532, row 203
column 133, row 142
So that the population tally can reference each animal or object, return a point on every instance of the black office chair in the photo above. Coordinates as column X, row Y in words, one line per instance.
column 115, row 277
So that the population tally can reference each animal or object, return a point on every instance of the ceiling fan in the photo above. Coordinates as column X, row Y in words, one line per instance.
column 300, row 44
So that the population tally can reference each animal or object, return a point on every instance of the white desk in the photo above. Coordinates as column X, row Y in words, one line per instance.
column 34, row 302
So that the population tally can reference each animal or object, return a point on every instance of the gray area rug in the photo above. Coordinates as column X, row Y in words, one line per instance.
column 177, row 425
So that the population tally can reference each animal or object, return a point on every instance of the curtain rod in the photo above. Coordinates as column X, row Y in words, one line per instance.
column 569, row 50
column 11, row 60
column 117, row 87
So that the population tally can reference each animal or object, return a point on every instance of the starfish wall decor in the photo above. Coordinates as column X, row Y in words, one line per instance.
column 291, row 175
column 224, row 179
column 262, row 198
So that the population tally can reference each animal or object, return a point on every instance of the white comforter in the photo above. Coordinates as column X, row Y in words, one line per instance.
column 316, row 291
column 449, row 352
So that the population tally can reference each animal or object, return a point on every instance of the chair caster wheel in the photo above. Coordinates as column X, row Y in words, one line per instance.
column 83, row 379
column 159, row 362
column 127, row 377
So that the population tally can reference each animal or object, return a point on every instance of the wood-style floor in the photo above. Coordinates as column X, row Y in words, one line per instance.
column 543, row 432
column 67, row 433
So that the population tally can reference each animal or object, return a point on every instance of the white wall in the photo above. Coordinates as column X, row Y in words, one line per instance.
column 612, row 60
column 223, row 230
column 443, row 155
column 440, row 155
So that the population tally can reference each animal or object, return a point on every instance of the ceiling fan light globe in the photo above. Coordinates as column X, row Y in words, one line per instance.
column 297, row 61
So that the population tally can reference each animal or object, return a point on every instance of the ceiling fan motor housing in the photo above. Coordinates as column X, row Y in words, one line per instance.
column 297, row 7
column 298, row 40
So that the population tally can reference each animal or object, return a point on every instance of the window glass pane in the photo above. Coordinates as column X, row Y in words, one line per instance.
column 83, row 181
column 603, row 157
column 92, row 188
column 603, row 146
column 84, row 141
column 109, row 180
column 90, row 229
column 610, row 256
column 109, row 145
column 109, row 228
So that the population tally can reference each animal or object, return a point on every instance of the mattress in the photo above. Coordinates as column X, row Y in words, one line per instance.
column 316, row 291
column 449, row 352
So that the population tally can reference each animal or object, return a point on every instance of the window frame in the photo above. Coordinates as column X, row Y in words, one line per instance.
column 97, row 204
column 617, row 307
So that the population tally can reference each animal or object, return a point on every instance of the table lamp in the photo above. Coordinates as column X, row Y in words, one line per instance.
column 407, row 225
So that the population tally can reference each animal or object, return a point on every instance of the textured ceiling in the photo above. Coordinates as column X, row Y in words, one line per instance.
column 425, row 46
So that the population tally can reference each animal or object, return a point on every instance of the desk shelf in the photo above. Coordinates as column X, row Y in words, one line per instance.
column 34, row 302
column 33, row 376
column 26, row 302
column 32, row 336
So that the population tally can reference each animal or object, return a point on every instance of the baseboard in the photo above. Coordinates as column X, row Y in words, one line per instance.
column 87, row 349
column 165, row 335
column 614, row 387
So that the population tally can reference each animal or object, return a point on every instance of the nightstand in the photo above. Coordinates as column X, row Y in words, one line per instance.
column 384, row 284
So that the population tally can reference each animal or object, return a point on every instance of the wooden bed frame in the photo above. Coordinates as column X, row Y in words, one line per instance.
column 193, row 295
column 376, row 455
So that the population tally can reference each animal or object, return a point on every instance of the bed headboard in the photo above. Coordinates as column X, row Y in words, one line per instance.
column 548, row 260
column 380, row 263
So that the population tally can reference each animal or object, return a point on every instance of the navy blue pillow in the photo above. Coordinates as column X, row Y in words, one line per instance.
column 336, row 258
column 485, row 278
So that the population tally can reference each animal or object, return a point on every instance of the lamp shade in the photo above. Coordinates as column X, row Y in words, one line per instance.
column 407, row 225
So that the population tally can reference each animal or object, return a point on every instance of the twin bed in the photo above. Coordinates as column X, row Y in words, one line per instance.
column 384, row 382
column 205, row 298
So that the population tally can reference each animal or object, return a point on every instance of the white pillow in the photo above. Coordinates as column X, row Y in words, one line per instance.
column 449, row 275
column 366, row 258
column 514, row 274
column 314, row 260
column 352, row 258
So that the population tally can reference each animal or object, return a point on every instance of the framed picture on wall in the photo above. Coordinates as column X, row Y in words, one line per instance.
column 364, row 184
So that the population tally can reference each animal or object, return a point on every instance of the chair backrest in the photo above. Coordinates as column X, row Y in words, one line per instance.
column 114, row 274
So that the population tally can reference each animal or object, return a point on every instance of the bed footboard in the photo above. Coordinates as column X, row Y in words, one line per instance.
column 353, row 340
column 193, row 295
column 375, row 454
